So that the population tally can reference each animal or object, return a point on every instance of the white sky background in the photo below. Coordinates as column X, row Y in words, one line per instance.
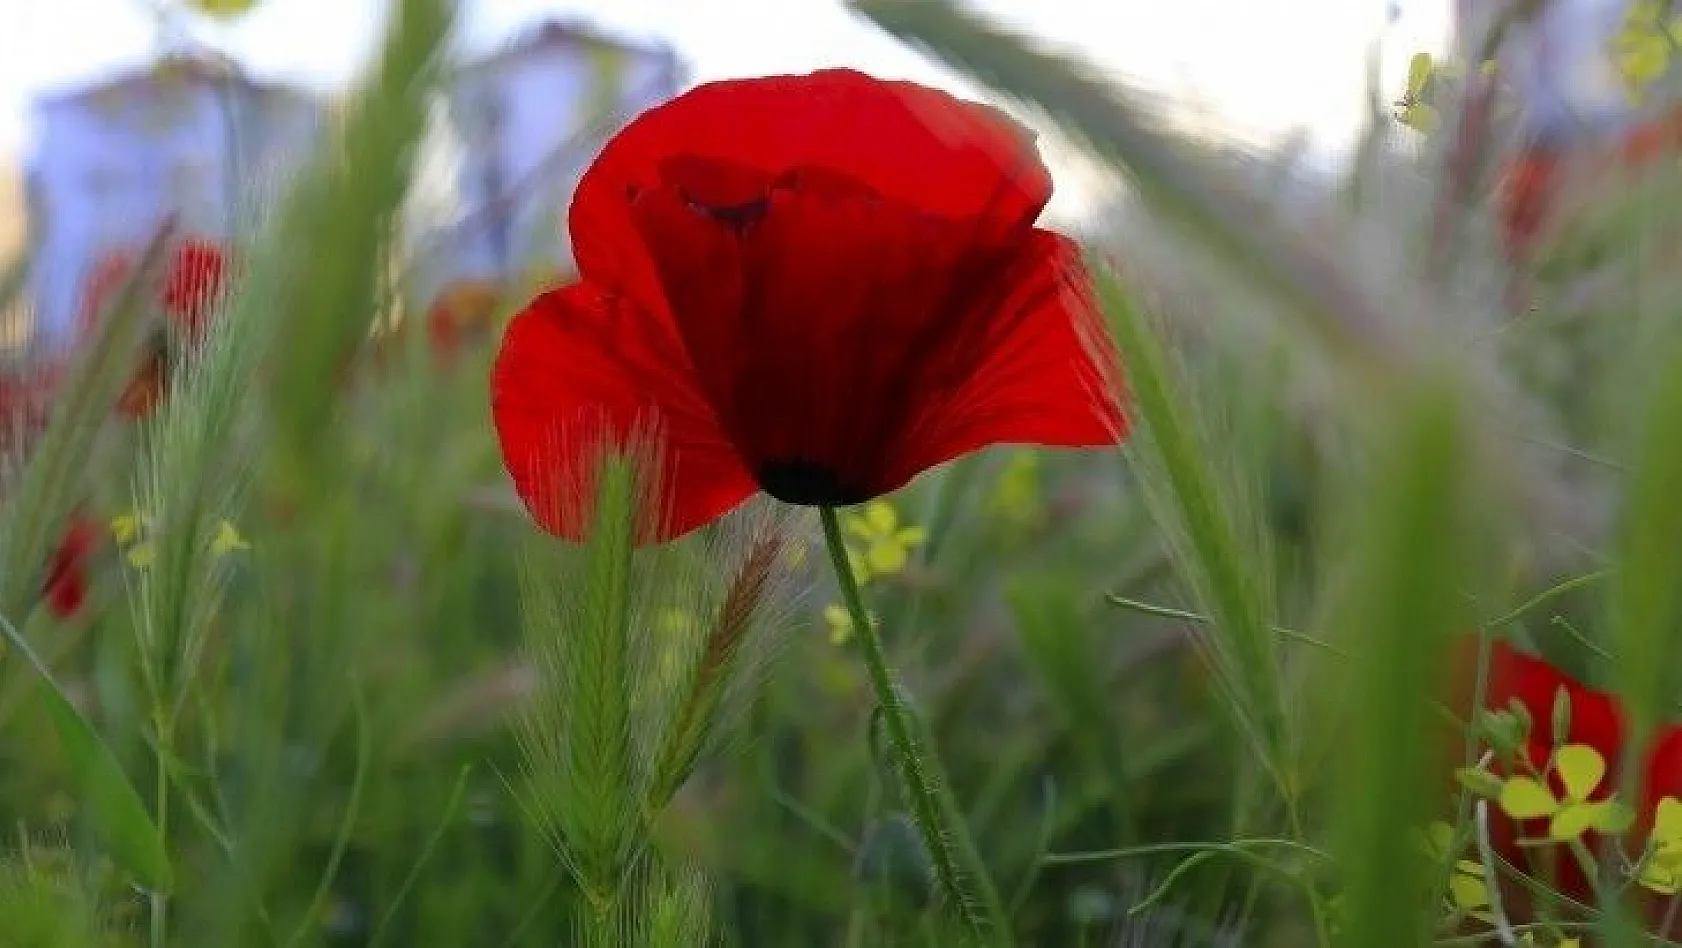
column 1259, row 69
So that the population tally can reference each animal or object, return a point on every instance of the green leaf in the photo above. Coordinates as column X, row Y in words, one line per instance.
column 1481, row 782
column 118, row 814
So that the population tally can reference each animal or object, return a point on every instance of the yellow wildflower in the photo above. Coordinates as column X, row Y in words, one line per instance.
column 673, row 620
column 1581, row 770
column 227, row 540
column 1468, row 892
column 885, row 545
column 840, row 623
column 1661, row 871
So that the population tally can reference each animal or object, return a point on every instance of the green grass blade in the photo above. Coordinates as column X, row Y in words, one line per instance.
column 1216, row 556
column 37, row 511
column 115, row 806
column 1405, row 598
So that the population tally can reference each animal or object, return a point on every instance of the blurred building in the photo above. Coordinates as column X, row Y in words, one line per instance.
column 524, row 122
column 191, row 138
column 1559, row 65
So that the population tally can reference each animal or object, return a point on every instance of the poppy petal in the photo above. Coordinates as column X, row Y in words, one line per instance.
column 848, row 343
column 1595, row 718
column 1047, row 373
column 192, row 285
column 578, row 366
column 1664, row 773
column 906, row 142
column 66, row 584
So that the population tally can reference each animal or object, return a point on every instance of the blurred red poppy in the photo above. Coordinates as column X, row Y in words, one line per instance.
column 462, row 310
column 1533, row 192
column 66, row 584
column 1595, row 720
column 188, row 295
column 192, row 284
column 146, row 389
column 25, row 404
column 819, row 286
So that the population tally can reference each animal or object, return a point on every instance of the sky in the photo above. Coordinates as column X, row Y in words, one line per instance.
column 1260, row 70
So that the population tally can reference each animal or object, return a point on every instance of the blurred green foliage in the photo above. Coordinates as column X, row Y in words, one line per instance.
column 331, row 687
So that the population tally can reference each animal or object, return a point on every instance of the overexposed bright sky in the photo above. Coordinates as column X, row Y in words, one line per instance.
column 1260, row 69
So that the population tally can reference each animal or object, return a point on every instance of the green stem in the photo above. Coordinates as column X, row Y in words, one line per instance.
column 937, row 819
column 159, row 901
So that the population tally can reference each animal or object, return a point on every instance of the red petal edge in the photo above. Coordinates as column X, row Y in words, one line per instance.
column 1048, row 373
column 910, row 143
column 581, row 371
column 1596, row 719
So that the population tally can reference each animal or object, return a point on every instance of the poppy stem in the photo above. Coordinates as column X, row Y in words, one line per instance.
column 951, row 849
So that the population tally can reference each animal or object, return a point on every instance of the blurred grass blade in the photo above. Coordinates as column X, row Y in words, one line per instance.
column 14, row 277
column 35, row 514
column 1226, row 574
column 1368, row 317
column 1060, row 643
column 1222, row 215
column 115, row 807
column 1406, row 599
column 1645, row 593
column 352, row 212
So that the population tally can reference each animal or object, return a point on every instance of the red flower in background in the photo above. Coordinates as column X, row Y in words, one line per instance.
column 1533, row 190
column 1596, row 720
column 146, row 389
column 192, row 285
column 820, row 286
column 66, row 584
column 459, row 312
column 188, row 296
column 25, row 405
column 25, row 408
column 1527, row 198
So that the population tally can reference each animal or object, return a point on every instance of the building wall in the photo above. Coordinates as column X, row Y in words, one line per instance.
column 112, row 163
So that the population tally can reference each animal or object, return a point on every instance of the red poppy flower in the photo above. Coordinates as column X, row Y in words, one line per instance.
column 819, row 286
column 458, row 313
column 66, row 584
column 146, row 389
column 1532, row 191
column 26, row 405
column 1596, row 720
column 1527, row 198
column 190, row 287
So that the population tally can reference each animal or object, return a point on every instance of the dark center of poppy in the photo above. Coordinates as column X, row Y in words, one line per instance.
column 807, row 484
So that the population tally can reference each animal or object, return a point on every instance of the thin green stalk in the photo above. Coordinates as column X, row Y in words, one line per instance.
column 942, row 828
column 159, row 901
column 353, row 808
column 426, row 851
